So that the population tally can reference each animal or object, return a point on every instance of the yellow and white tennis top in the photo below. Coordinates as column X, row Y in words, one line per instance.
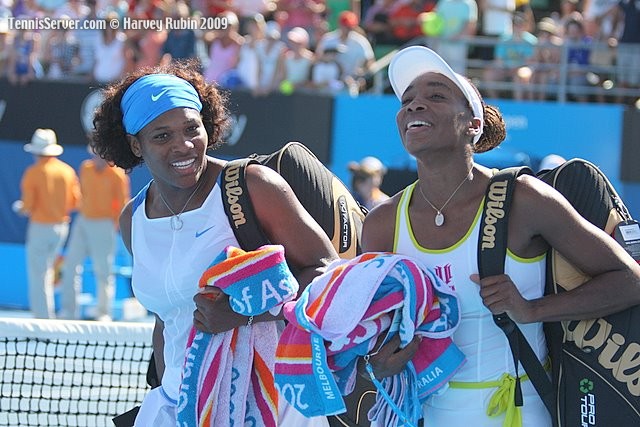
column 484, row 344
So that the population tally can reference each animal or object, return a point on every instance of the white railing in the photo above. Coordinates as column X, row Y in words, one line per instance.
column 601, row 81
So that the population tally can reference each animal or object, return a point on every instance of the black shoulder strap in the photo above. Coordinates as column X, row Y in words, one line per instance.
column 492, row 250
column 238, row 207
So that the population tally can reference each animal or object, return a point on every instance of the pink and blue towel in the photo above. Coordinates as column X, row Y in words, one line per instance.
column 228, row 378
column 339, row 317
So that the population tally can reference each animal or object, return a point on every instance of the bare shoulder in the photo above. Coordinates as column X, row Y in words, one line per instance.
column 273, row 199
column 379, row 226
column 536, row 196
column 540, row 210
column 268, row 187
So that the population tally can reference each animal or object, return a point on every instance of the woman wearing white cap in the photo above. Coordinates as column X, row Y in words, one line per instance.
column 442, row 122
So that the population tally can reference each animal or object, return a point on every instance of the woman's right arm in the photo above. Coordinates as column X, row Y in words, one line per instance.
column 158, row 337
column 125, row 225
column 158, row 347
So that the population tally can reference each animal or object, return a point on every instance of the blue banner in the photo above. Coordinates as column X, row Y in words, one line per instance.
column 365, row 126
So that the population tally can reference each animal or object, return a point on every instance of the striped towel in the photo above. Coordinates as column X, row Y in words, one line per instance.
column 339, row 317
column 228, row 377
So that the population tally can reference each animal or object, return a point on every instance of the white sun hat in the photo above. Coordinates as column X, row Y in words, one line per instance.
column 414, row 61
column 44, row 143
column 369, row 165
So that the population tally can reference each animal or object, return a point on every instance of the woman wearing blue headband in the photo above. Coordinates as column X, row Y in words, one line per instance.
column 168, row 119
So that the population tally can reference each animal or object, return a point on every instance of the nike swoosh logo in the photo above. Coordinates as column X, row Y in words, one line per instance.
column 200, row 233
column 154, row 98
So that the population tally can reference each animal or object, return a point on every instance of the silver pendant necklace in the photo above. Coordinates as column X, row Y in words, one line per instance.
column 439, row 219
column 176, row 222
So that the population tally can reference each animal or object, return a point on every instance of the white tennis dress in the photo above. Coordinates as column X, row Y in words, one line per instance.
column 484, row 344
column 167, row 265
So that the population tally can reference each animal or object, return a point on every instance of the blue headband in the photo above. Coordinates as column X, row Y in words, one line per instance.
column 154, row 94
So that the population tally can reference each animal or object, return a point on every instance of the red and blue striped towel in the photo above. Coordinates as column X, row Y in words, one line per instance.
column 339, row 317
column 228, row 378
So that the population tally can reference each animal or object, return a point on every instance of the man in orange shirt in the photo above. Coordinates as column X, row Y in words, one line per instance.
column 50, row 191
column 105, row 190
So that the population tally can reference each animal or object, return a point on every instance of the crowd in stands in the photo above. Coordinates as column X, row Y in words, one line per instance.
column 328, row 46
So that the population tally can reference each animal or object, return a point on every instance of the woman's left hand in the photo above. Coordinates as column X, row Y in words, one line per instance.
column 213, row 312
column 500, row 295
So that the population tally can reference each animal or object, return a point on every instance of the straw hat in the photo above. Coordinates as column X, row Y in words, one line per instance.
column 44, row 143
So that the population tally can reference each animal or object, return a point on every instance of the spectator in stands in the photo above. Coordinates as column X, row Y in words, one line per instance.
column 22, row 60
column 270, row 52
column 357, row 56
column 28, row 9
column 248, row 62
column 579, row 51
column 213, row 8
column 524, row 7
column 404, row 21
column 627, row 14
column 147, row 44
column 144, row 9
column 598, row 18
column 512, row 55
column 326, row 72
column 568, row 11
column 335, row 7
column 366, row 179
column 300, row 13
column 87, row 39
column 224, row 49
column 245, row 10
column 545, row 63
column 461, row 18
column 62, row 52
column 497, row 23
column 599, row 26
column 111, row 52
column 176, row 225
column 105, row 189
column 298, row 59
column 376, row 22
column 73, row 9
column 120, row 7
column 181, row 42
column 50, row 191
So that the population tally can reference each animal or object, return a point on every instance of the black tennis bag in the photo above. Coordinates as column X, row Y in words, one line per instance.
column 321, row 193
column 595, row 363
column 329, row 202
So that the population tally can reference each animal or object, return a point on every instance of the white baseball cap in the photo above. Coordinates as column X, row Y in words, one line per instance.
column 414, row 61
column 44, row 143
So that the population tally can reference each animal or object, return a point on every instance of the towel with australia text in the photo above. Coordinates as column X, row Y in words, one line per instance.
column 341, row 314
column 228, row 378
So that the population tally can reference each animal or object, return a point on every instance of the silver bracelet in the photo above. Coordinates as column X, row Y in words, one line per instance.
column 250, row 321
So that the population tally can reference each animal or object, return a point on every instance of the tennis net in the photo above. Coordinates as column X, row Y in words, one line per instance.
column 71, row 373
